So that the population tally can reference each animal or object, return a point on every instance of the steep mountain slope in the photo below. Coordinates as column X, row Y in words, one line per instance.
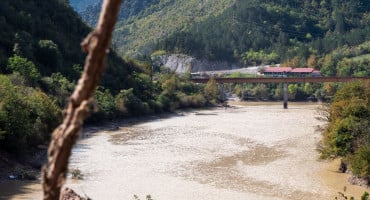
column 143, row 23
column 49, row 33
column 284, row 28
column 250, row 32
column 30, row 27
column 129, row 8
column 40, row 62
column 81, row 5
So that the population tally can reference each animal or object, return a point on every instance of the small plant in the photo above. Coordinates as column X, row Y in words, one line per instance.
column 365, row 196
column 76, row 174
column 148, row 197
column 342, row 196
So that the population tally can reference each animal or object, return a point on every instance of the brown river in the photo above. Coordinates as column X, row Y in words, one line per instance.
column 244, row 152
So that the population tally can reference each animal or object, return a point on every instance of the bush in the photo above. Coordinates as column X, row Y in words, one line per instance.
column 343, row 137
column 27, row 116
column 211, row 92
column 360, row 162
column 106, row 103
column 347, row 134
column 25, row 68
column 164, row 102
column 127, row 103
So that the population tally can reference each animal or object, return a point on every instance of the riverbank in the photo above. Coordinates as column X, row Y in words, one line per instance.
column 213, row 154
column 338, row 181
column 25, row 167
column 209, row 153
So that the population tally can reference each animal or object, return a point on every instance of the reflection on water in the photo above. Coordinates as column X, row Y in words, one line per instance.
column 247, row 152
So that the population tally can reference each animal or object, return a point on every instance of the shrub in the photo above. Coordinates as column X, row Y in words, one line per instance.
column 106, row 103
column 128, row 103
column 211, row 91
column 164, row 102
column 360, row 162
column 25, row 68
column 27, row 116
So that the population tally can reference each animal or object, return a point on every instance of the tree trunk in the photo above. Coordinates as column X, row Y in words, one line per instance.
column 96, row 44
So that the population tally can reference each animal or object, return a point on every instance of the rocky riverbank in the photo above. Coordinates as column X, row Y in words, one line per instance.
column 25, row 167
column 343, row 183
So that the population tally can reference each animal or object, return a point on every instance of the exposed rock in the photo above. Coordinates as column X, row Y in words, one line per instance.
column 342, row 166
column 355, row 180
column 69, row 194
column 181, row 63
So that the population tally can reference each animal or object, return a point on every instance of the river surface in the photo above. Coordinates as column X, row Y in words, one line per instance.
column 244, row 152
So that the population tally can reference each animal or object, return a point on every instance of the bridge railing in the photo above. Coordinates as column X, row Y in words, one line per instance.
column 281, row 80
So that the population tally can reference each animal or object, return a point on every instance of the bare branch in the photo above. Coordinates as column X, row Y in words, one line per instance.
column 64, row 137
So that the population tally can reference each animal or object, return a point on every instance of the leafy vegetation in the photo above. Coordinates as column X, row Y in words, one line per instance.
column 347, row 134
column 266, row 32
column 40, row 62
column 143, row 22
column 27, row 115
column 329, row 35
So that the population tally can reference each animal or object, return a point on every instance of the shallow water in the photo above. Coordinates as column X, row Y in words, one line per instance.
column 246, row 152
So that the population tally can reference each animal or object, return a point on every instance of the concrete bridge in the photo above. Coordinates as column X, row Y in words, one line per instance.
column 284, row 80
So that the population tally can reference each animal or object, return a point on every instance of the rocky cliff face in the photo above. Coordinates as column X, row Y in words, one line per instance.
column 181, row 63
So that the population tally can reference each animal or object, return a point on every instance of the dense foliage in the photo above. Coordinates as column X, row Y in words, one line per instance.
column 40, row 62
column 274, row 91
column 300, row 33
column 347, row 134
column 143, row 22
column 330, row 35
column 27, row 115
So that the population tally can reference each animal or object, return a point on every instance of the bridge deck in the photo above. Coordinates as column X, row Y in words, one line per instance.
column 281, row 80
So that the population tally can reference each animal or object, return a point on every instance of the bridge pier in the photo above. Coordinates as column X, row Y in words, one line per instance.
column 222, row 91
column 285, row 93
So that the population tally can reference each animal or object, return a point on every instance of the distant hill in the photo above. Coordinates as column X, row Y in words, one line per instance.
column 129, row 8
column 332, row 36
column 286, row 28
column 81, row 5
column 144, row 22
column 251, row 32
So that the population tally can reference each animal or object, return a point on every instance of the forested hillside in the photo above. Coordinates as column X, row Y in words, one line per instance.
column 143, row 22
column 295, row 32
column 330, row 35
column 40, row 62
column 129, row 8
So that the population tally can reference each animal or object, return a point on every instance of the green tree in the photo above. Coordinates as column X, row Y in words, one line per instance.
column 24, row 67
column 48, row 54
column 127, row 103
column 360, row 163
column 27, row 116
column 261, row 92
column 347, row 133
column 23, row 45
column 308, row 89
column 211, row 91
column 106, row 103
column 58, row 86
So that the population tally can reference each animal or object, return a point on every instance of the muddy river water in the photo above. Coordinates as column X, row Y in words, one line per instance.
column 244, row 152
